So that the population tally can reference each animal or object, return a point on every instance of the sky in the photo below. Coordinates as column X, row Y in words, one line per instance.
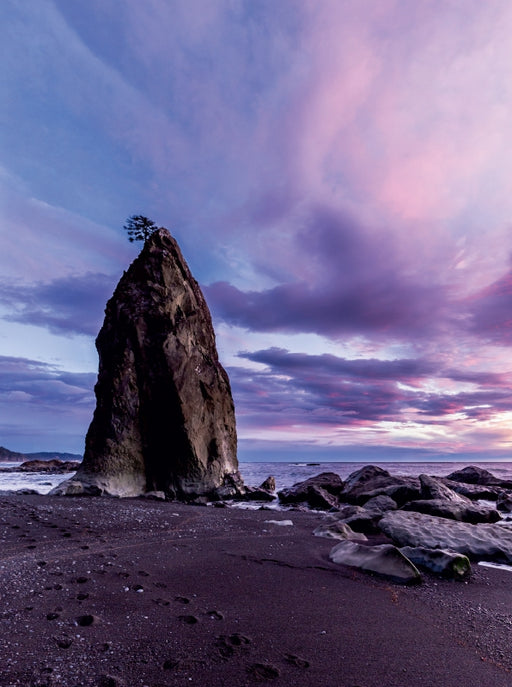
column 338, row 175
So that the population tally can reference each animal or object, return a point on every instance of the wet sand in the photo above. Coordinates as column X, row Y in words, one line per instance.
column 105, row 592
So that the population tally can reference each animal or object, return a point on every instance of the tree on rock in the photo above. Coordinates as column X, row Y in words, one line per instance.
column 139, row 228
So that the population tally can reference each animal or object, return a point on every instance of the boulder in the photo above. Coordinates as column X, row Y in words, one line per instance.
column 444, row 563
column 433, row 488
column 504, row 503
column 474, row 492
column 491, row 542
column 380, row 504
column 269, row 484
column 338, row 530
column 319, row 492
column 164, row 418
column 371, row 481
column 383, row 559
column 258, row 494
column 75, row 487
column 475, row 475
column 359, row 519
column 454, row 510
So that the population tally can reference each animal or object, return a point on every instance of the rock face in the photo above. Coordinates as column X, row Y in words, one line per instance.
column 164, row 419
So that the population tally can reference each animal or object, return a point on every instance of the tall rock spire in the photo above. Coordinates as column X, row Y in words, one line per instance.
column 164, row 417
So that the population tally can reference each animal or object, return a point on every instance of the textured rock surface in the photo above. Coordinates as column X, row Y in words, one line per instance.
column 445, row 563
column 371, row 481
column 464, row 512
column 164, row 419
column 477, row 542
column 384, row 559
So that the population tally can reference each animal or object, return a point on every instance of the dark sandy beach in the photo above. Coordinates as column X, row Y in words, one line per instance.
column 110, row 592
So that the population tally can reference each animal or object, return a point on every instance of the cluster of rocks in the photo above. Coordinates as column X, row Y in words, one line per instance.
column 435, row 523
column 53, row 467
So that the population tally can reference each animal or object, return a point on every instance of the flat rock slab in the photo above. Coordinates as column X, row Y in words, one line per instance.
column 383, row 559
column 480, row 541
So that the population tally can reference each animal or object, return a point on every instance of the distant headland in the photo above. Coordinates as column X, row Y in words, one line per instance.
column 7, row 456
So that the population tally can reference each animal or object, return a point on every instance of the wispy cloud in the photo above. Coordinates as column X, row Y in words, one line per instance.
column 69, row 305
column 43, row 407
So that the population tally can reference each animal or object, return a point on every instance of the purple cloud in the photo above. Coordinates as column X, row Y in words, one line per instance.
column 327, row 390
column 348, row 281
column 43, row 407
column 68, row 305
column 490, row 311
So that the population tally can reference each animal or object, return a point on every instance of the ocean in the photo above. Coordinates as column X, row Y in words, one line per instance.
column 285, row 474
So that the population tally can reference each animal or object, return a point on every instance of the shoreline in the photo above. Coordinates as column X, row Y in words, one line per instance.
column 106, row 592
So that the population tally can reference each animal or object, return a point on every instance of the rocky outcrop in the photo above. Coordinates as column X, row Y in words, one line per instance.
column 491, row 542
column 164, row 418
column 475, row 475
column 320, row 492
column 438, row 499
column 54, row 466
column 383, row 559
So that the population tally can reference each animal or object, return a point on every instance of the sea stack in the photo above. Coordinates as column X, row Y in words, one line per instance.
column 164, row 418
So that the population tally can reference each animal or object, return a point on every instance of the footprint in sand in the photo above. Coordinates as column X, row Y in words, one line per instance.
column 63, row 642
column 86, row 620
column 188, row 619
column 161, row 602
column 215, row 615
column 296, row 661
column 263, row 671
column 227, row 645
column 182, row 599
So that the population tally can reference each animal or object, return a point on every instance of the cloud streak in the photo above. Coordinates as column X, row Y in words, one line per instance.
column 69, row 305
column 43, row 407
